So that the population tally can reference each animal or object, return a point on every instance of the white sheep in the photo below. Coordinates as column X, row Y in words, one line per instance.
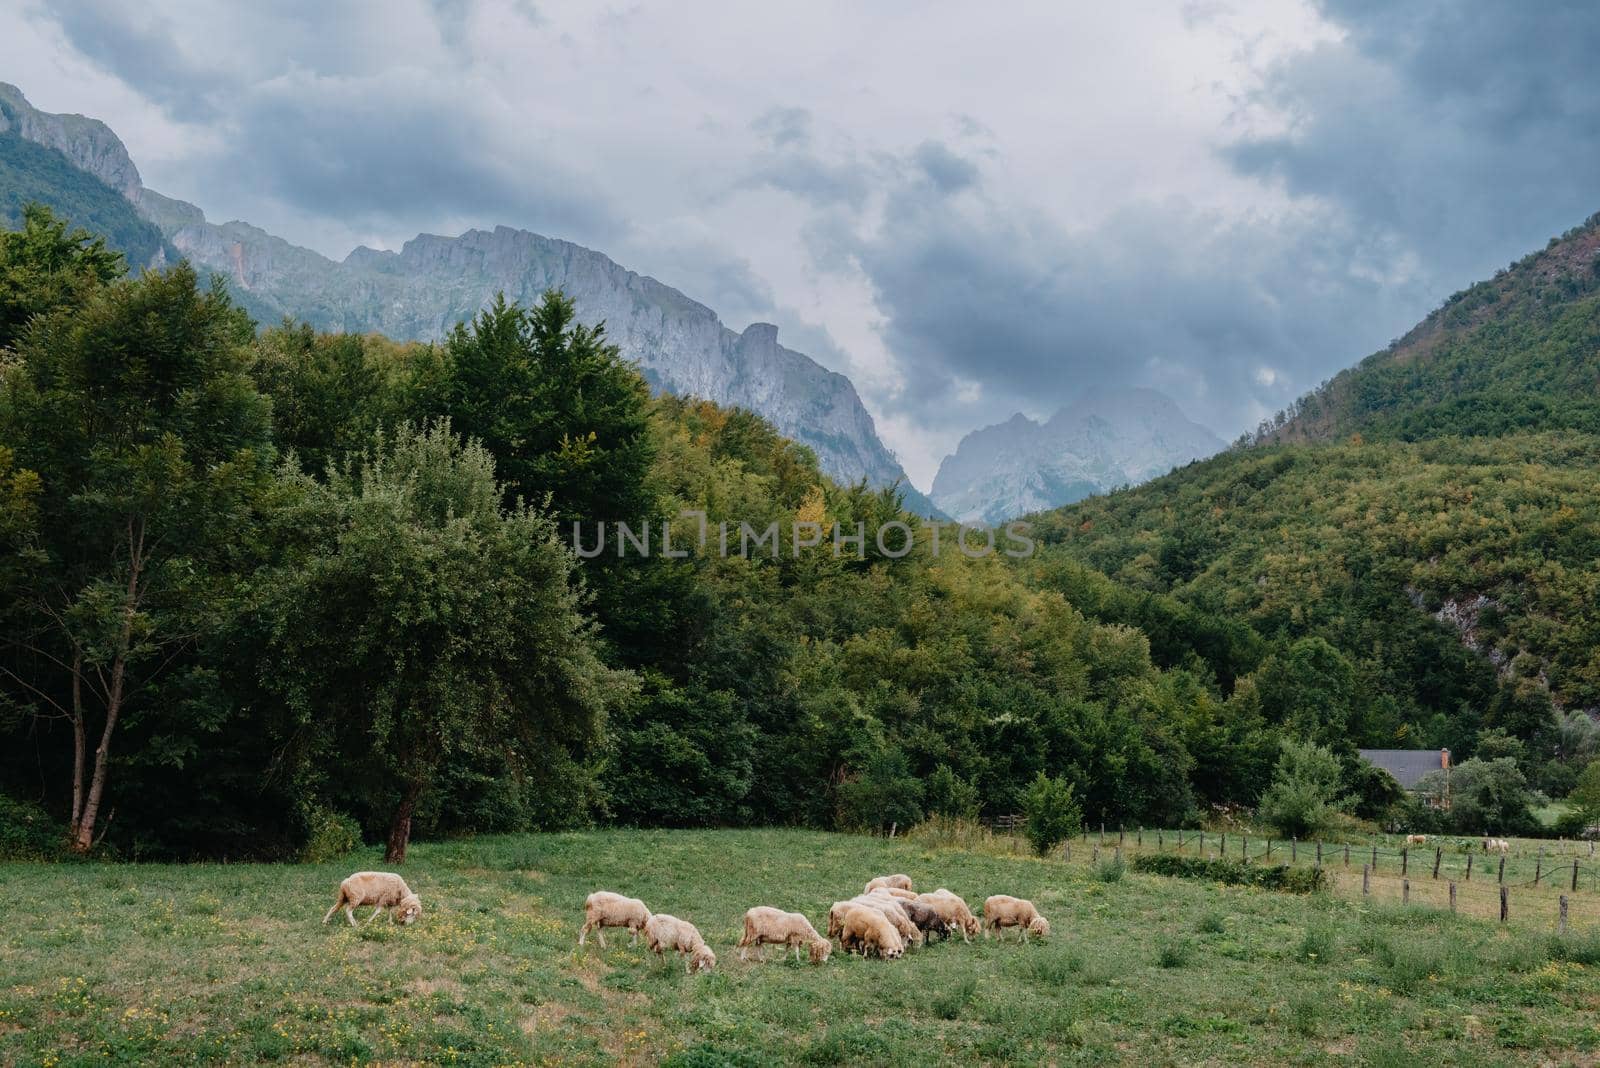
column 380, row 889
column 898, row 882
column 764, row 925
column 663, row 932
column 891, row 907
column 953, row 910
column 1003, row 910
column 603, row 909
column 870, row 931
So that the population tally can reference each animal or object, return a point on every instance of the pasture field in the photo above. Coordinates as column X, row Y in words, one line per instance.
column 168, row 964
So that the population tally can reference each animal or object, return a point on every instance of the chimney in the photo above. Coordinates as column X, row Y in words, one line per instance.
column 1444, row 759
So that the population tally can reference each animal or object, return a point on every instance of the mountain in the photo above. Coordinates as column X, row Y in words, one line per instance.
column 1432, row 515
column 1106, row 439
column 433, row 282
column 1518, row 351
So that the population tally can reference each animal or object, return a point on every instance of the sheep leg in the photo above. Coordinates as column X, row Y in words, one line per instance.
column 350, row 914
column 375, row 912
column 331, row 911
column 600, row 933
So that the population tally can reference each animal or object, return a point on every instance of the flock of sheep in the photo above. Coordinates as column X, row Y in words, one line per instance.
column 1490, row 845
column 883, row 920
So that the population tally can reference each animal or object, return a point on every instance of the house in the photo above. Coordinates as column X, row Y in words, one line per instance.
column 1410, row 766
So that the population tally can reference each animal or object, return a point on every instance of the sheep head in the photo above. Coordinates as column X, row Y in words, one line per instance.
column 820, row 950
column 408, row 911
column 1040, row 926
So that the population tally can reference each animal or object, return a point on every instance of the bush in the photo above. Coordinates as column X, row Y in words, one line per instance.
column 948, row 794
column 1211, row 923
column 27, row 832
column 1174, row 954
column 1302, row 798
column 1053, row 813
column 329, row 835
column 1110, row 870
column 1277, row 877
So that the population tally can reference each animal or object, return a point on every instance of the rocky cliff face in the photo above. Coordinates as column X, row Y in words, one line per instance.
column 434, row 282
column 1107, row 438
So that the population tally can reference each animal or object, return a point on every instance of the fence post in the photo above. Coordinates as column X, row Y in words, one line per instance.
column 1347, row 854
column 1119, row 837
column 1538, row 867
column 1366, row 880
column 1200, row 846
column 1102, row 832
column 1405, row 859
column 1160, row 839
column 1502, row 875
column 1574, row 876
column 1505, row 903
column 1066, row 850
column 1096, row 858
column 1294, row 850
column 1244, row 847
column 1452, row 895
column 1374, row 858
column 1438, row 855
column 1405, row 891
column 893, row 827
column 1222, row 850
column 1139, row 838
column 1469, row 867
column 1119, row 854
column 1319, row 852
column 1563, row 920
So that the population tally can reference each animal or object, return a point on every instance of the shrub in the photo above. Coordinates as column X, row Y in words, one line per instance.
column 1302, row 798
column 1174, row 954
column 947, row 794
column 27, row 832
column 1211, row 923
column 1110, row 870
column 1053, row 813
column 329, row 834
column 1277, row 877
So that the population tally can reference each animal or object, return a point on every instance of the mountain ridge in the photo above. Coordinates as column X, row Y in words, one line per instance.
column 434, row 281
column 1105, row 439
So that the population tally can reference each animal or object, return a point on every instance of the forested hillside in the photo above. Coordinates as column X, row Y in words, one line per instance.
column 1426, row 544
column 1519, row 352
column 267, row 590
column 33, row 173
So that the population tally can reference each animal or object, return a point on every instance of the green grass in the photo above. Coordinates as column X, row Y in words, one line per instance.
column 105, row 963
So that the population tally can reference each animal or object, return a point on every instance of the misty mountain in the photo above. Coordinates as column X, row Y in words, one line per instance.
column 1105, row 439
column 434, row 282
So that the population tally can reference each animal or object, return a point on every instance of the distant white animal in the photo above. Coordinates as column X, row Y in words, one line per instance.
column 380, row 889
column 603, row 909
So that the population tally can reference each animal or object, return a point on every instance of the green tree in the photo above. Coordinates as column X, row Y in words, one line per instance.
column 1585, row 796
column 428, row 623
column 1485, row 796
column 151, row 446
column 948, row 794
column 1052, row 811
column 1303, row 797
column 45, row 266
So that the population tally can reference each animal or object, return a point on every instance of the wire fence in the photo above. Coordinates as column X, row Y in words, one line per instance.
column 1550, row 885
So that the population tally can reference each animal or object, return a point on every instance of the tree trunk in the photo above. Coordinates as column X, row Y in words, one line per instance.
column 84, row 839
column 400, row 829
column 80, row 746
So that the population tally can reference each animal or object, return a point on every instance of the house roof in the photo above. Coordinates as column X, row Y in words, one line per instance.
column 1408, row 766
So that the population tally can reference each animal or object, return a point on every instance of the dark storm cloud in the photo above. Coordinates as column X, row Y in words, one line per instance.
column 400, row 145
column 138, row 46
column 1472, row 131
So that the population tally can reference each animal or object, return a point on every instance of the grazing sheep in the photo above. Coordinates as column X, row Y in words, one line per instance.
column 895, row 891
column 764, row 925
column 869, row 930
column 893, row 908
column 927, row 919
column 1003, row 910
column 603, row 909
column 1416, row 839
column 663, row 932
column 702, row 959
column 953, row 911
column 380, row 889
column 898, row 882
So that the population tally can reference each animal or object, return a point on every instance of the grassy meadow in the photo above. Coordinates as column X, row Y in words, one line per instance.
column 109, row 963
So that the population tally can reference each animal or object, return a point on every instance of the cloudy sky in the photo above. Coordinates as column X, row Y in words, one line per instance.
column 969, row 214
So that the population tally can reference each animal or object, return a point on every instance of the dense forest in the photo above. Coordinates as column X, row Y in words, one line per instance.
column 267, row 590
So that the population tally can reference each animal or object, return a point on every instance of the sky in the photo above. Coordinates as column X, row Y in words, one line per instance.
column 969, row 211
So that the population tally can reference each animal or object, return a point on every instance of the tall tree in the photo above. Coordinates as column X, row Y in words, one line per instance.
column 135, row 409
column 45, row 265
column 428, row 622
